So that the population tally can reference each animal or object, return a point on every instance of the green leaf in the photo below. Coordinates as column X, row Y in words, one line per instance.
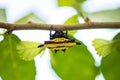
column 116, row 42
column 11, row 66
column 72, row 32
column 76, row 63
column 117, row 37
column 72, row 20
column 3, row 15
column 110, row 65
column 30, row 17
column 28, row 50
column 69, row 2
column 103, row 47
column 76, row 4
column 65, row 3
column 106, row 15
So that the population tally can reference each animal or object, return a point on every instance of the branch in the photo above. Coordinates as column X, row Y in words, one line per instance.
column 35, row 26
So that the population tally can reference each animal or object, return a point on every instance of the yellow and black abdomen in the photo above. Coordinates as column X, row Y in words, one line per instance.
column 60, row 44
column 59, row 41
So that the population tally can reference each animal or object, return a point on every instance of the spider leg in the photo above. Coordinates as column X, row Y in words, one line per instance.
column 51, row 32
column 41, row 45
column 55, row 51
column 66, row 34
column 78, row 43
column 64, row 50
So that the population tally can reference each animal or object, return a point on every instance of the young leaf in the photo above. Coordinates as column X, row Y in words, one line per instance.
column 69, row 2
column 76, row 63
column 3, row 15
column 76, row 4
column 110, row 65
column 103, row 47
column 30, row 17
column 64, row 3
column 106, row 15
column 72, row 20
column 11, row 66
column 28, row 50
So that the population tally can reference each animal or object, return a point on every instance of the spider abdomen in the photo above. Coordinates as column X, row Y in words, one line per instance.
column 59, row 41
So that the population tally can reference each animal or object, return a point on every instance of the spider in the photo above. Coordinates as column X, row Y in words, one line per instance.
column 59, row 41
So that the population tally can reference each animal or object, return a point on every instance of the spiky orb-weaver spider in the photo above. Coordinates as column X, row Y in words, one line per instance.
column 59, row 41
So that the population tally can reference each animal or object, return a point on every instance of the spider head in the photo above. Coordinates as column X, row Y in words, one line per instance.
column 58, row 34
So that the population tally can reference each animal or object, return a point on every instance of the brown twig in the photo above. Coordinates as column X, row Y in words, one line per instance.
column 35, row 26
